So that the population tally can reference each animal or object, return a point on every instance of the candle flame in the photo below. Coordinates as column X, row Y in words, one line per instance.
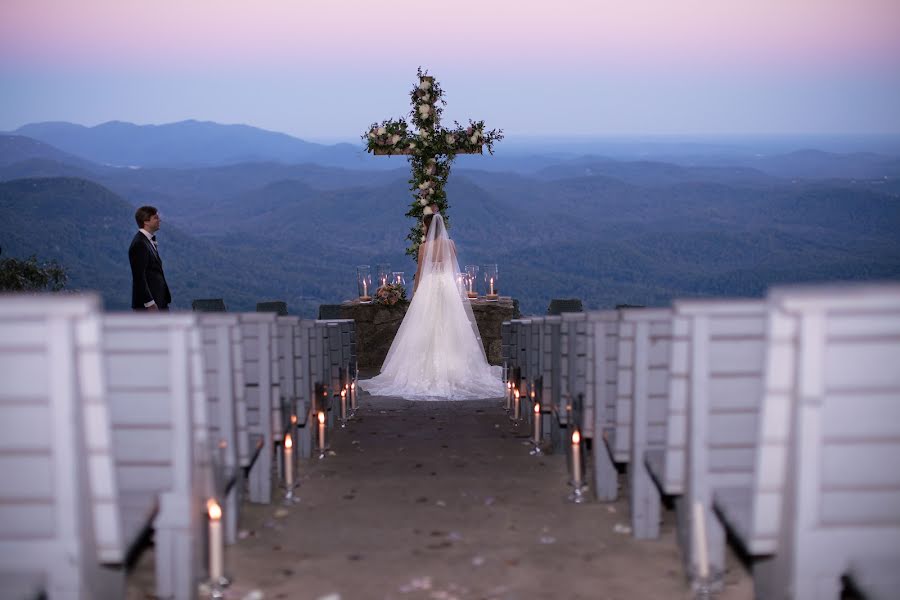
column 294, row 419
column 223, row 444
column 321, row 418
column 508, row 384
column 576, row 437
column 288, row 442
column 537, row 408
column 353, row 386
column 516, row 394
column 214, row 510
column 343, row 394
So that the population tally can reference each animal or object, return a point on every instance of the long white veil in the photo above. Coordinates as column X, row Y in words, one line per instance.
column 440, row 260
column 437, row 352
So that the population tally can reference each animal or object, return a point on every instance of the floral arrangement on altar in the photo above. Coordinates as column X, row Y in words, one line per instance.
column 431, row 150
column 390, row 294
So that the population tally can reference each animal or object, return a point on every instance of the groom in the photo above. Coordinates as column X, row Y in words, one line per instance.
column 149, row 290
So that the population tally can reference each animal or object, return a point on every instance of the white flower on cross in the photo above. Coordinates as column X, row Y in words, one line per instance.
column 425, row 84
column 382, row 131
column 428, row 211
column 395, row 138
column 424, row 110
column 451, row 139
column 423, row 201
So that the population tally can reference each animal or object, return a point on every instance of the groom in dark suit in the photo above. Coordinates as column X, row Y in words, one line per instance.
column 149, row 290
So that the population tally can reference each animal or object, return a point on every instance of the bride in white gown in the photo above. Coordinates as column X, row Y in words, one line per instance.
column 437, row 353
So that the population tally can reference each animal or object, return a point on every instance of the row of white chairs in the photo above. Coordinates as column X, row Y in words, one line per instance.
column 775, row 420
column 118, row 425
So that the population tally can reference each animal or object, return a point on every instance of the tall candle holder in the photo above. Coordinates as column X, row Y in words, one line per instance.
column 384, row 274
column 218, row 581
column 471, row 281
column 354, row 390
column 289, row 483
column 491, row 282
column 320, row 418
column 578, row 495
column 536, row 425
column 364, row 284
column 398, row 278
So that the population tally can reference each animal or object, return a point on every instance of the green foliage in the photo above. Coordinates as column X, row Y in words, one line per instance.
column 29, row 275
column 431, row 151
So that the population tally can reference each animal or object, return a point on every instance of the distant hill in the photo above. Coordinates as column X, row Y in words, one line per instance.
column 185, row 144
column 88, row 229
column 19, row 148
column 192, row 144
column 608, row 231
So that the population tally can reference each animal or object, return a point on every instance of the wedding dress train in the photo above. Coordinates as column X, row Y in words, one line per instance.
column 437, row 353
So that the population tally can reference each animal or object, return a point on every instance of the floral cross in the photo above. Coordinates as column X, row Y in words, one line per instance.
column 431, row 150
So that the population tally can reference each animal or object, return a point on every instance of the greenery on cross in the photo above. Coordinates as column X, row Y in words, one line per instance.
column 431, row 150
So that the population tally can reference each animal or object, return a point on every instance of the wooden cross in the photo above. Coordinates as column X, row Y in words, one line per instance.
column 431, row 149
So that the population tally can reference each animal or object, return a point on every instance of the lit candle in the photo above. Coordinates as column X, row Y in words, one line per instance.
column 700, row 541
column 516, row 408
column 576, row 459
column 492, row 287
column 344, row 404
column 293, row 419
column 321, row 431
column 353, row 396
column 288, row 462
column 365, row 289
column 537, row 423
column 508, row 393
column 216, row 541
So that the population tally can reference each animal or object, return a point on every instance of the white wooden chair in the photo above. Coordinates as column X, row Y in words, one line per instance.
column 823, row 499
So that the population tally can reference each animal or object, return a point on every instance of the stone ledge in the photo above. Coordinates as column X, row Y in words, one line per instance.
column 377, row 324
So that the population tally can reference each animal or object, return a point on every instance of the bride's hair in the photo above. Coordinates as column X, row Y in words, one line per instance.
column 427, row 220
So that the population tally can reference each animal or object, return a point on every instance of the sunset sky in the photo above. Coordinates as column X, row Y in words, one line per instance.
column 324, row 70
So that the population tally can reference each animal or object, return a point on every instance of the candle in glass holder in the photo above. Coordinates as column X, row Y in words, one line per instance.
column 288, row 462
column 491, row 292
column 321, row 418
column 537, row 423
column 216, row 541
column 576, row 459
column 365, row 294
column 700, row 541
column 516, row 405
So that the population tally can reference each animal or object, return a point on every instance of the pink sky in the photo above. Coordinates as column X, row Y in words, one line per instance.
column 772, row 44
column 207, row 33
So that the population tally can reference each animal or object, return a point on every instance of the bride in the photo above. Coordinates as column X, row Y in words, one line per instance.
column 437, row 353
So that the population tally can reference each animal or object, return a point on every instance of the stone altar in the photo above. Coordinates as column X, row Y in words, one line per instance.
column 377, row 324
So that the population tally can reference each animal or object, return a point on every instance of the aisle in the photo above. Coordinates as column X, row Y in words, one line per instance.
column 440, row 500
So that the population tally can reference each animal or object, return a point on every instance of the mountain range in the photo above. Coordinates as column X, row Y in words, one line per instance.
column 251, row 215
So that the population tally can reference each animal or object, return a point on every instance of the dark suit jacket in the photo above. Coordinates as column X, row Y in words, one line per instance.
column 147, row 279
